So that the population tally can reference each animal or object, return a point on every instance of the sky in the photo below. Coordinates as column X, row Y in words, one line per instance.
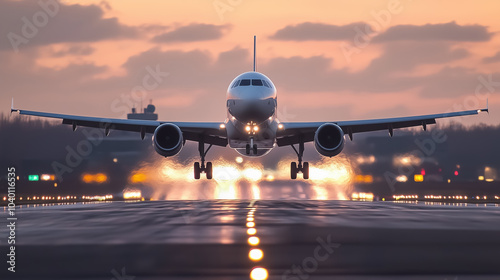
column 330, row 60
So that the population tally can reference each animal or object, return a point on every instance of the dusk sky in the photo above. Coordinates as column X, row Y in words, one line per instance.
column 330, row 60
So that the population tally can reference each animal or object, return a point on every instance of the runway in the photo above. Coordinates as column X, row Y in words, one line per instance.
column 209, row 239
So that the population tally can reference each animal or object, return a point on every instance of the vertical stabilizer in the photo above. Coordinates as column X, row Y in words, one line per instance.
column 254, row 51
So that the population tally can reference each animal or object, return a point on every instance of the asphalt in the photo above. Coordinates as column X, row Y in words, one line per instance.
column 208, row 239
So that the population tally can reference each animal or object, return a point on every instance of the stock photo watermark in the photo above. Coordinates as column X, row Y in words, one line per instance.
column 122, row 276
column 321, row 253
column 381, row 19
column 223, row 6
column 31, row 26
column 427, row 147
column 11, row 219
column 95, row 136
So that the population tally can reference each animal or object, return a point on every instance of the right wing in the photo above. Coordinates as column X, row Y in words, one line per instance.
column 295, row 132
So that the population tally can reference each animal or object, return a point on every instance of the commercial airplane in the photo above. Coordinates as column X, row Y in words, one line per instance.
column 251, row 127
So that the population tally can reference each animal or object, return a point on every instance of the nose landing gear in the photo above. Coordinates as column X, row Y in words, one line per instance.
column 252, row 147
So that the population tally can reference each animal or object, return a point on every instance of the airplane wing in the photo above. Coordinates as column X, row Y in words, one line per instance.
column 294, row 132
column 208, row 132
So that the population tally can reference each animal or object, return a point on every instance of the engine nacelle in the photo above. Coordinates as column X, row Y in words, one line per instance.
column 329, row 139
column 168, row 140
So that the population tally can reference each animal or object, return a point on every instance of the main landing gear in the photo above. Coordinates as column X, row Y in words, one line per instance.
column 299, row 167
column 200, row 168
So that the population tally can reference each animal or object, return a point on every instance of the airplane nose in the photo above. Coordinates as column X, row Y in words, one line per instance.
column 252, row 110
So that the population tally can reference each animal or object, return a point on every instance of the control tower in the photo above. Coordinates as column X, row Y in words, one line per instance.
column 147, row 113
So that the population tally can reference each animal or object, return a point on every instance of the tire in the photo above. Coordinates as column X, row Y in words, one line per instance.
column 197, row 170
column 248, row 149
column 293, row 170
column 255, row 149
column 209, row 170
column 305, row 170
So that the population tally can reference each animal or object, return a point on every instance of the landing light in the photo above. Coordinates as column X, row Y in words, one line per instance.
column 255, row 128
column 247, row 128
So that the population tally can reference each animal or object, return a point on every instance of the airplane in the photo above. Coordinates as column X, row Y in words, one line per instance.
column 251, row 127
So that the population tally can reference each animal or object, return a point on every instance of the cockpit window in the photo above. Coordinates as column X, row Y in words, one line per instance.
column 257, row 82
column 265, row 83
column 245, row 82
column 235, row 84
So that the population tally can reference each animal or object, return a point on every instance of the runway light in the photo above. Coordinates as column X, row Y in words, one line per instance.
column 115, row 160
column 251, row 231
column 250, row 224
column 256, row 255
column 137, row 178
column 253, row 240
column 418, row 178
column 47, row 177
column 456, row 173
column 480, row 178
column 250, row 219
column 132, row 194
column 259, row 273
column 402, row 178
column 33, row 178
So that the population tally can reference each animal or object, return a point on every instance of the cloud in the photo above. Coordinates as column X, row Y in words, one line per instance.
column 77, row 50
column 405, row 56
column 309, row 31
column 192, row 33
column 391, row 72
column 492, row 59
column 450, row 31
column 64, row 23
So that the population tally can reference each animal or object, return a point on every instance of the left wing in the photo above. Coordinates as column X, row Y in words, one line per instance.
column 207, row 132
column 295, row 132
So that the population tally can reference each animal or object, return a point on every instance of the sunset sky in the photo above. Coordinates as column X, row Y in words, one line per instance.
column 330, row 60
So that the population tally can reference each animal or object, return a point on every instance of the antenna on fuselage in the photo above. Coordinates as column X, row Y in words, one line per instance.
column 254, row 50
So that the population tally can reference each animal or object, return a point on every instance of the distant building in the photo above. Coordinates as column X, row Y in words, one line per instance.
column 148, row 113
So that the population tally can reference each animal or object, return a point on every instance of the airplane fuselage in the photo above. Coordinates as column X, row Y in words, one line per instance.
column 251, row 114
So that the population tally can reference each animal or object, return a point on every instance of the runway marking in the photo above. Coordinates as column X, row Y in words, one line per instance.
column 255, row 254
column 252, row 202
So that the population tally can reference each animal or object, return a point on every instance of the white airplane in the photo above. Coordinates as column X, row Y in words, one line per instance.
column 251, row 127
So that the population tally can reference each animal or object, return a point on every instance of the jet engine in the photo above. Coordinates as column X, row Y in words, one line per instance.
column 168, row 140
column 329, row 139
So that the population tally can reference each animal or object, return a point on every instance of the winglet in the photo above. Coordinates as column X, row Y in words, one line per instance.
column 487, row 110
column 12, row 107
column 487, row 107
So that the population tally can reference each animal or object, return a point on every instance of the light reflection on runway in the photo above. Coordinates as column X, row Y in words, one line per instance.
column 258, row 238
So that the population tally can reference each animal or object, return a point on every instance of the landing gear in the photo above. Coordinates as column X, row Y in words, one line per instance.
column 295, row 167
column 200, row 168
column 252, row 147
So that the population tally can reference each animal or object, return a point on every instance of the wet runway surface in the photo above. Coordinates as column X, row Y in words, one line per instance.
column 297, row 240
